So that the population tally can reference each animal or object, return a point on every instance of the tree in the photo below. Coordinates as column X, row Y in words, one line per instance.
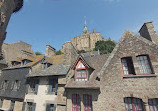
column 58, row 52
column 38, row 53
column 105, row 47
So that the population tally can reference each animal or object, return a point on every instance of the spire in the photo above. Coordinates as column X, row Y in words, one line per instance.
column 85, row 26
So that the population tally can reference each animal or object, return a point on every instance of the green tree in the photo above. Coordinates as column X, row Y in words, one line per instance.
column 105, row 47
column 58, row 52
column 38, row 53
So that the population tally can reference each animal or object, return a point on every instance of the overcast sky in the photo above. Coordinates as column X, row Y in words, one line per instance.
column 54, row 22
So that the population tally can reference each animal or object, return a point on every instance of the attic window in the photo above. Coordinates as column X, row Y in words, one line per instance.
column 81, row 75
column 46, row 65
column 144, row 64
column 24, row 62
column 127, row 65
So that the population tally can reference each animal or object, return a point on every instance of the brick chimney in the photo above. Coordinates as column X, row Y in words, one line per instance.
column 50, row 51
column 147, row 31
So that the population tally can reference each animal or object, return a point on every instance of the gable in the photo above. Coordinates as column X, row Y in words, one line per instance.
column 80, row 65
column 130, row 44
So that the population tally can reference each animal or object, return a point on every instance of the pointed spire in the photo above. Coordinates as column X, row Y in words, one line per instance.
column 85, row 30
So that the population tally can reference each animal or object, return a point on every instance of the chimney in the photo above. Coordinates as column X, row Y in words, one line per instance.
column 147, row 31
column 50, row 51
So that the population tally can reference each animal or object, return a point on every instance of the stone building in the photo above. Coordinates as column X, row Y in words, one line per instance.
column 50, row 94
column 13, row 82
column 83, row 86
column 7, row 7
column 13, row 50
column 87, row 40
column 126, row 79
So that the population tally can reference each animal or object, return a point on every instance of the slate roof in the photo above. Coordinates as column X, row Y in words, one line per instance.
column 58, row 68
column 35, row 60
column 87, row 54
column 55, row 69
column 97, row 63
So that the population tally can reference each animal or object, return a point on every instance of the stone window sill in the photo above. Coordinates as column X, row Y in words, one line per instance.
column 139, row 76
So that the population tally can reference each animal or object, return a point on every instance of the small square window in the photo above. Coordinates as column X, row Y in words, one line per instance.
column 81, row 75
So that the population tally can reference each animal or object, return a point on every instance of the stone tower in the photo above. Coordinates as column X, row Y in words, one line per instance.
column 7, row 7
column 87, row 40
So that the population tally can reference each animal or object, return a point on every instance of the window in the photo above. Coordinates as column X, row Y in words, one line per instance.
column 144, row 64
column 153, row 104
column 16, row 85
column 1, row 103
column 76, row 106
column 31, row 106
column 33, row 86
column 46, row 65
column 81, row 75
column 127, row 65
column 12, row 105
column 133, row 104
column 87, row 101
column 51, row 107
column 53, row 85
column 4, row 84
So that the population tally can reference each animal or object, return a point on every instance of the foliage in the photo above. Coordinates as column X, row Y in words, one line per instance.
column 105, row 47
column 38, row 53
column 58, row 52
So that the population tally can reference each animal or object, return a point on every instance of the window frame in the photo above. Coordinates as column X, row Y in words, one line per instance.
column 80, row 78
column 12, row 104
column 152, row 105
column 130, row 67
column 1, row 103
column 48, row 106
column 33, row 82
column 5, row 84
column 134, row 104
column 31, row 105
column 77, row 103
column 87, row 102
column 149, row 63
column 16, row 85
column 52, row 84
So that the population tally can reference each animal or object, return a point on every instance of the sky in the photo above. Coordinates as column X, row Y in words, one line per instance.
column 53, row 22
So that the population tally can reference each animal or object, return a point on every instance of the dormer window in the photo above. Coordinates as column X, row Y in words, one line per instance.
column 81, row 75
column 14, row 63
column 81, row 72
column 127, row 65
column 46, row 65
column 144, row 64
column 25, row 61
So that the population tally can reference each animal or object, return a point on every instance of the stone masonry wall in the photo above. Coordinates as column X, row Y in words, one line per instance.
column 14, row 50
column 114, row 86
column 86, row 42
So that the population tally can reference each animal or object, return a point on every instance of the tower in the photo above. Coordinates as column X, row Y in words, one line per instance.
column 85, row 30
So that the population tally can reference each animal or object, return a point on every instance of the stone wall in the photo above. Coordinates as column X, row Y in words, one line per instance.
column 87, row 41
column 115, row 86
column 93, row 93
column 14, row 50
column 70, row 53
